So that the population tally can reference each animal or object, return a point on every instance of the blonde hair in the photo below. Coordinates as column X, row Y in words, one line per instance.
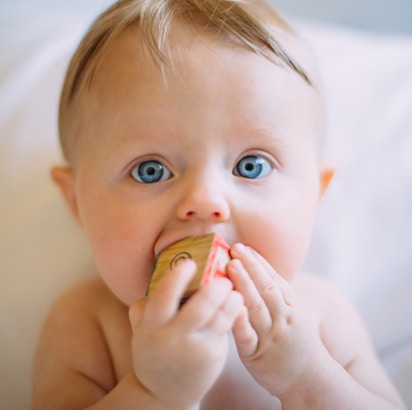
column 243, row 21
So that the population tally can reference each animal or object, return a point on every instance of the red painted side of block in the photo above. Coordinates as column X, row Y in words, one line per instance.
column 212, row 269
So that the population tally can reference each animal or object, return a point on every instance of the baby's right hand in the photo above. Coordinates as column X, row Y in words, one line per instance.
column 179, row 353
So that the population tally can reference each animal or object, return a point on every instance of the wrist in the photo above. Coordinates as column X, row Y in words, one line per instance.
column 314, row 378
column 151, row 402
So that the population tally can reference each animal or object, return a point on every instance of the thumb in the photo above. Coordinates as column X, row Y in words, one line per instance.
column 136, row 312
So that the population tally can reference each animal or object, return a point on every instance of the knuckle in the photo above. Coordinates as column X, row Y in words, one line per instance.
column 256, row 307
column 269, row 286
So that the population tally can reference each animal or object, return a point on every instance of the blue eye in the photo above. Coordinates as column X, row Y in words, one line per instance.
column 253, row 167
column 150, row 172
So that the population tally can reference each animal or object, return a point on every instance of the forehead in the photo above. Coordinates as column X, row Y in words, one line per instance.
column 254, row 25
column 269, row 36
column 129, row 52
column 216, row 76
column 128, row 83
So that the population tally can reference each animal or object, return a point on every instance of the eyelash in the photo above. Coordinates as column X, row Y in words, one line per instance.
column 253, row 168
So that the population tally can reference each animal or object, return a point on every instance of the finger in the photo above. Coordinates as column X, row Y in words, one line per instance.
column 274, row 289
column 225, row 317
column 259, row 314
column 260, row 270
column 165, row 299
column 245, row 336
column 204, row 304
column 282, row 282
column 136, row 312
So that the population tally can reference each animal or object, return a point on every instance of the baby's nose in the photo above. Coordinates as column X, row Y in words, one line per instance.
column 206, row 201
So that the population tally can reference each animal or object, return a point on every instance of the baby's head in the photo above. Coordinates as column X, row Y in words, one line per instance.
column 185, row 117
column 251, row 24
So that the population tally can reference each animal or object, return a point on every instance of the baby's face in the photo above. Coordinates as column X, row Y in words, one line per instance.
column 226, row 143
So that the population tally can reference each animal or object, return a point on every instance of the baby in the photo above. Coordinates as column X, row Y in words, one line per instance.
column 181, row 118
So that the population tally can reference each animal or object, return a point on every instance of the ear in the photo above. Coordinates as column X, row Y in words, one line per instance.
column 63, row 177
column 327, row 172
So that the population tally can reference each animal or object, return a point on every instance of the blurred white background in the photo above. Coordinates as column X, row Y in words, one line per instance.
column 390, row 16
column 394, row 16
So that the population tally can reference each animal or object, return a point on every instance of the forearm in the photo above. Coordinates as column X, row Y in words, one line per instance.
column 129, row 394
column 330, row 386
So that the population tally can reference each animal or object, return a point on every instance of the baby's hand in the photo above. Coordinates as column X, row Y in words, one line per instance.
column 179, row 353
column 276, row 341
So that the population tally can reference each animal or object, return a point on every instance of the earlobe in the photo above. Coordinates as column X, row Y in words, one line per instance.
column 327, row 173
column 63, row 177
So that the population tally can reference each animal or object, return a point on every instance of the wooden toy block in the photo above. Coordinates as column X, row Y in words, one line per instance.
column 210, row 252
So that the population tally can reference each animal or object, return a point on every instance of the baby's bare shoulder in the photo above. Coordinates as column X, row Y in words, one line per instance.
column 341, row 326
column 84, row 293
column 81, row 306
column 90, row 295
column 322, row 295
column 344, row 334
column 73, row 346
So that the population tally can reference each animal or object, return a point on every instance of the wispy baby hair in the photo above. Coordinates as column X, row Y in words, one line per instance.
column 243, row 21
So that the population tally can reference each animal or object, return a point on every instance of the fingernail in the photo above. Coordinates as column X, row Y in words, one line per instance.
column 238, row 249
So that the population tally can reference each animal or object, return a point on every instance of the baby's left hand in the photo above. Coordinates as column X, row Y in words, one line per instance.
column 275, row 339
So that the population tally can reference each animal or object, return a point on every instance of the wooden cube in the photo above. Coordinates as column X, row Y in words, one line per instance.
column 210, row 252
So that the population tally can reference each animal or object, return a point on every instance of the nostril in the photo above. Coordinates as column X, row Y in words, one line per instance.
column 204, row 207
column 216, row 214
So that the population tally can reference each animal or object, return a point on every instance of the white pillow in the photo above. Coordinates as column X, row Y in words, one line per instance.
column 362, row 241
column 363, row 238
column 41, row 250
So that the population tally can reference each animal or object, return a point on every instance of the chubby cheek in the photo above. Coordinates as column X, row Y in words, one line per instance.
column 281, row 234
column 122, row 249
